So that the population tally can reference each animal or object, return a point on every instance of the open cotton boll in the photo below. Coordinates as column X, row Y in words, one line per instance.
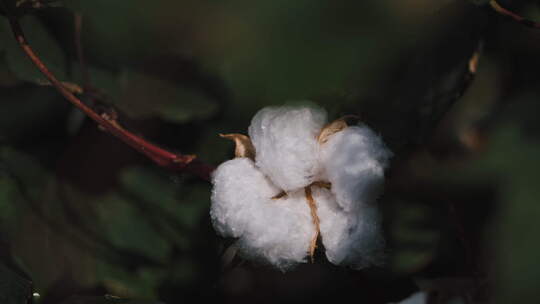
column 330, row 177
column 239, row 187
column 271, row 231
column 354, row 160
column 285, row 142
column 279, row 232
column 350, row 238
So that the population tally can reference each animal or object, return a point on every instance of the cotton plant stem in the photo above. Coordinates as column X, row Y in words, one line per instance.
column 505, row 12
column 315, row 217
column 162, row 157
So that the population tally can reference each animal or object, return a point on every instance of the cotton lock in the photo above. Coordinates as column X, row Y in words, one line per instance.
column 296, row 181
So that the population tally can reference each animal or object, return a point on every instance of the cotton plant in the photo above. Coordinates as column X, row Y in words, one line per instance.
column 297, row 180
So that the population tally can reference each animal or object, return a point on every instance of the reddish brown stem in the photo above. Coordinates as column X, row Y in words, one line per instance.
column 159, row 155
column 503, row 11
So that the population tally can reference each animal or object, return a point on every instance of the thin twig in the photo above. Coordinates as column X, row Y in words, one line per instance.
column 505, row 12
column 159, row 155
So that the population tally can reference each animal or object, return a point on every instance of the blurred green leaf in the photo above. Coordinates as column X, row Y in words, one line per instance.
column 126, row 228
column 187, row 208
column 516, row 244
column 14, row 288
column 107, row 82
column 10, row 206
column 42, row 227
column 295, row 49
column 104, row 300
column 120, row 40
column 25, row 167
column 142, row 284
column 414, row 242
column 144, row 96
column 15, row 284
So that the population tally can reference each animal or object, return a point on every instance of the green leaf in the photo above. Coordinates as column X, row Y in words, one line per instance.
column 121, row 31
column 140, row 284
column 144, row 96
column 24, row 167
column 14, row 288
column 515, row 223
column 104, row 300
column 126, row 227
column 107, row 82
column 414, row 243
column 302, row 53
column 162, row 195
column 15, row 284
column 10, row 205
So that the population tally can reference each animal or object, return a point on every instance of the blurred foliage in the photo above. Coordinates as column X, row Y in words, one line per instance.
column 15, row 286
column 83, row 217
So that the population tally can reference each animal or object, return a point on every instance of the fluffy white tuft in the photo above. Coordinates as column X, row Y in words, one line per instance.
column 281, row 232
column 350, row 238
column 289, row 157
column 286, row 144
column 354, row 161
column 272, row 231
column 239, row 187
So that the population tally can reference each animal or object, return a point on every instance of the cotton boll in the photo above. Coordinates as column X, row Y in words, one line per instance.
column 350, row 238
column 354, row 161
column 286, row 145
column 238, row 188
column 279, row 232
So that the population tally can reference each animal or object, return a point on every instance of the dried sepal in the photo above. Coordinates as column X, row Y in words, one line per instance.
column 244, row 147
column 321, row 184
column 316, row 222
column 334, row 127
column 282, row 194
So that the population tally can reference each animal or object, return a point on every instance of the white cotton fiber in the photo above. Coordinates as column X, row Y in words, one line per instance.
column 288, row 157
column 350, row 238
column 286, row 145
column 239, row 187
column 354, row 161
column 280, row 233
column 275, row 231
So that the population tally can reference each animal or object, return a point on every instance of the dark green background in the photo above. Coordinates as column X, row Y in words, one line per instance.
column 82, row 215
